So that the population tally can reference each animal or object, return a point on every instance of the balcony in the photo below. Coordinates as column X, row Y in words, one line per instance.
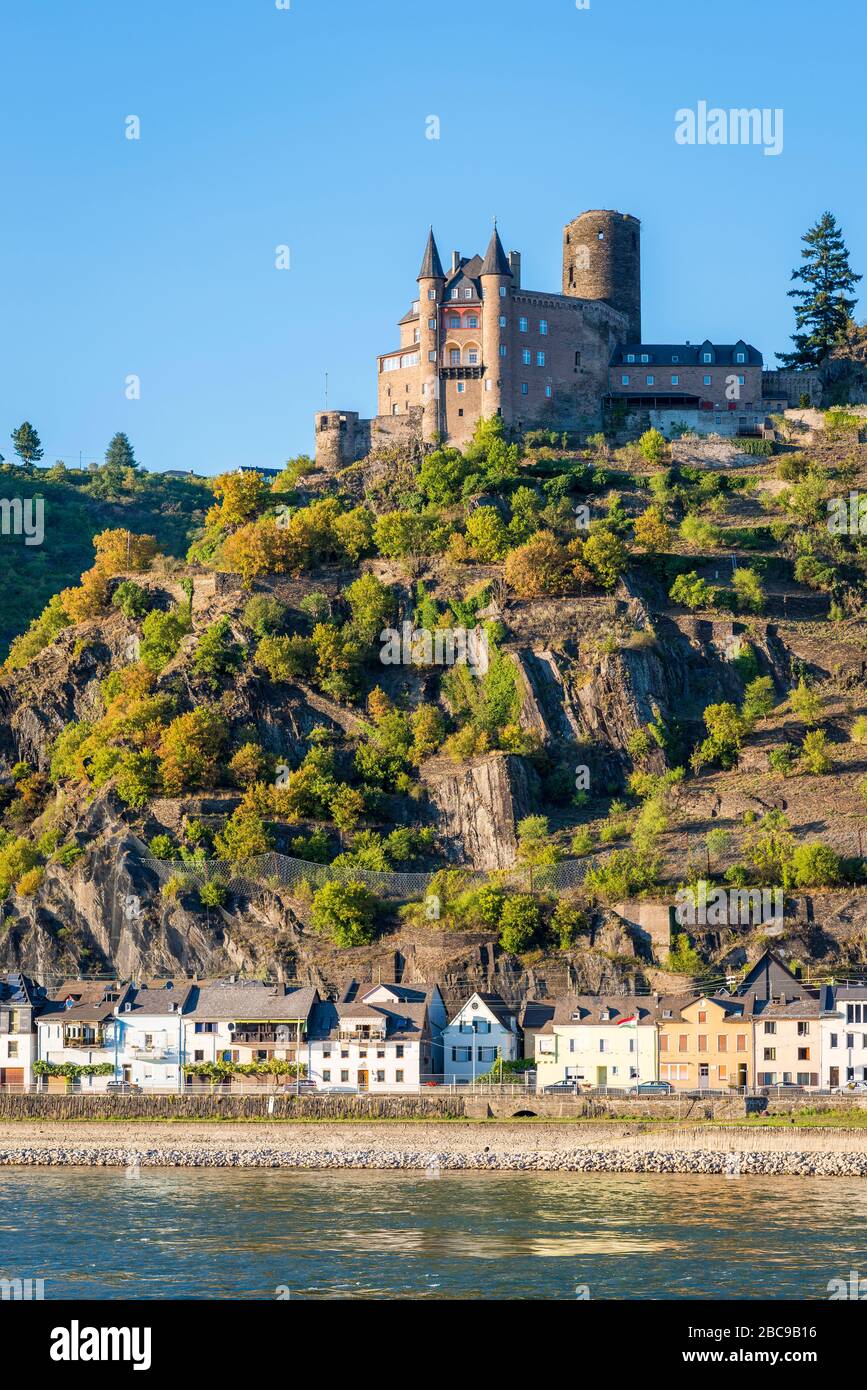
column 273, row 1037
column 362, row 1035
column 84, row 1039
column 153, row 1054
column 449, row 373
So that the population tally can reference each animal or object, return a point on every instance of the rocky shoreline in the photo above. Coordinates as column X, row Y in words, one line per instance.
column 438, row 1148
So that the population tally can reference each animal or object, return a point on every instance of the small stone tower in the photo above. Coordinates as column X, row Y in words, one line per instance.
column 431, row 281
column 337, row 439
column 602, row 260
column 496, row 278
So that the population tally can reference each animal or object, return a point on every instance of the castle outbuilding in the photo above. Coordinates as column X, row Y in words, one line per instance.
column 475, row 343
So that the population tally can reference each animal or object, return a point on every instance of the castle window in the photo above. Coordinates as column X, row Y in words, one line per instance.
column 630, row 356
column 577, row 359
column 527, row 356
column 454, row 294
column 432, row 356
column 707, row 357
column 540, row 359
column 416, row 336
column 675, row 358
column 432, row 323
column 523, row 325
column 431, row 294
column 525, row 388
column 502, row 349
column 645, row 357
column 707, row 381
column 455, row 357
column 395, row 409
column 472, row 321
column 502, row 320
column 742, row 381
column 675, row 381
column 740, row 357
column 549, row 392
column 473, row 357
column 454, row 321
column 489, row 385
column 468, row 294
column 600, row 236
column 624, row 381
column 502, row 291
column 650, row 380
column 462, row 386
column 543, row 327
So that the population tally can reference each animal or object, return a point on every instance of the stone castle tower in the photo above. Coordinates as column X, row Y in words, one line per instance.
column 602, row 260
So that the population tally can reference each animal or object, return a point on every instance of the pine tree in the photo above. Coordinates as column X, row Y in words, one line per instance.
column 27, row 444
column 824, row 307
column 119, row 455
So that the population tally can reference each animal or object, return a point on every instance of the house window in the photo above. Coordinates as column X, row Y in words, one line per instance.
column 803, row 1030
column 206, row 1027
column 523, row 325
column 487, row 1054
column 663, row 1042
column 722, row 1043
column 398, row 1051
column 525, row 389
column 344, row 1051
column 624, row 381
column 416, row 335
column 682, row 1042
column 770, row 1054
column 344, row 1076
column 398, row 1076
column 326, row 1076
column 650, row 380
column 540, row 359
column 770, row 1027
column 380, row 1076
column 803, row 1054
column 702, row 1042
column 742, row 1042
column 489, row 386
column 833, row 1040
column 543, row 327
column 702, row 1015
column 198, row 1055
column 675, row 381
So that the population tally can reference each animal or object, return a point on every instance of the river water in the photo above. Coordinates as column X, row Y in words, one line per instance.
column 104, row 1234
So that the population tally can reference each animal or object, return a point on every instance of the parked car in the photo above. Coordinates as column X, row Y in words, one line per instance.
column 850, row 1087
column 559, row 1087
column 651, row 1088
column 125, row 1088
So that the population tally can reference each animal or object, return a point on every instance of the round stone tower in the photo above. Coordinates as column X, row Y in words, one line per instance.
column 496, row 278
column 602, row 260
column 431, row 280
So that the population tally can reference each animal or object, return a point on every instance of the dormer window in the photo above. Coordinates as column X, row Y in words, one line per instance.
column 707, row 357
column 675, row 357
column 454, row 294
column 645, row 357
column 740, row 357
column 468, row 294
column 630, row 356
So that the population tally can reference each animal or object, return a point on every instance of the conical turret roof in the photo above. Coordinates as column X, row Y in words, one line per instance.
column 431, row 266
column 496, row 261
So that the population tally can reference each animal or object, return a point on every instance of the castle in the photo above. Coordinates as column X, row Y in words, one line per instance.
column 475, row 344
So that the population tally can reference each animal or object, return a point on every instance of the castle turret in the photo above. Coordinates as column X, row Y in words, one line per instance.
column 602, row 260
column 431, row 280
column 496, row 279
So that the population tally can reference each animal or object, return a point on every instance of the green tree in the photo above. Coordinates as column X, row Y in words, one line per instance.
column 27, row 444
column 217, row 655
column 131, row 599
column 519, row 922
column 652, row 445
column 758, row 699
column 805, row 703
column 824, row 306
column 346, row 912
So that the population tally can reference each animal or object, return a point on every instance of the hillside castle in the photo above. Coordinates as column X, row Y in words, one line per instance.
column 475, row 343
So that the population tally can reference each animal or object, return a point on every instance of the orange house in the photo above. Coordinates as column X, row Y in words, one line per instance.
column 706, row 1043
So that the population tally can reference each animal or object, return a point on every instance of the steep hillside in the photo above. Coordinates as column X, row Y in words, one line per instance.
column 451, row 713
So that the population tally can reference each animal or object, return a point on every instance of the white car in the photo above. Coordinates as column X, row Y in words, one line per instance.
column 851, row 1086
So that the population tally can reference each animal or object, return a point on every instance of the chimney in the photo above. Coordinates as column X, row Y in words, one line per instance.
column 515, row 267
column 456, row 260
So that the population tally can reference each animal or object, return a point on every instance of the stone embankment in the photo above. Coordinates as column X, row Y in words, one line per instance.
column 435, row 1148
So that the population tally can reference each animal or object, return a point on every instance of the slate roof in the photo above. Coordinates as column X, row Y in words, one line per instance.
column 496, row 261
column 250, row 1001
column 687, row 354
column 579, row 1010
column 431, row 266
column 535, row 1013
column 503, row 1012
column 769, row 978
column 158, row 1000
column 735, row 1008
column 402, row 1021
column 16, row 988
column 94, row 1000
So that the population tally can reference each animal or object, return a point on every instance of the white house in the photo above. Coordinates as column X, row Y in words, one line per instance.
column 483, row 1031
column 385, row 1037
column 78, row 1026
column 20, row 999
column 843, row 1034
column 245, row 1021
column 149, row 1027
column 596, row 1040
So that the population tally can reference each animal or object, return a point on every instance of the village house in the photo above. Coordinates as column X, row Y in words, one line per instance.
column 378, row 1038
column 244, row 1021
column 705, row 1043
column 482, row 1032
column 598, row 1040
column 77, row 1026
column 150, row 1035
column 20, row 998
column 843, row 1035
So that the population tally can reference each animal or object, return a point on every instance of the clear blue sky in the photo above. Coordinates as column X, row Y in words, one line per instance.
column 306, row 127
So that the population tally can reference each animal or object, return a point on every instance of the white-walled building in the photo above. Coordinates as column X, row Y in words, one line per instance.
column 20, row 999
column 78, row 1025
column 383, row 1037
column 483, row 1031
column 594, row 1040
column 246, row 1021
column 150, row 1035
column 843, row 1030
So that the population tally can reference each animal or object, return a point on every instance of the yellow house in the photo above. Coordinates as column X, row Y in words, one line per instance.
column 705, row 1043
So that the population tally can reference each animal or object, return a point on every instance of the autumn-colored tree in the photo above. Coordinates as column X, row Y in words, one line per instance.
column 540, row 566
column 118, row 551
column 241, row 496
column 260, row 547
column 191, row 749
column 651, row 532
column 249, row 764
column 89, row 599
